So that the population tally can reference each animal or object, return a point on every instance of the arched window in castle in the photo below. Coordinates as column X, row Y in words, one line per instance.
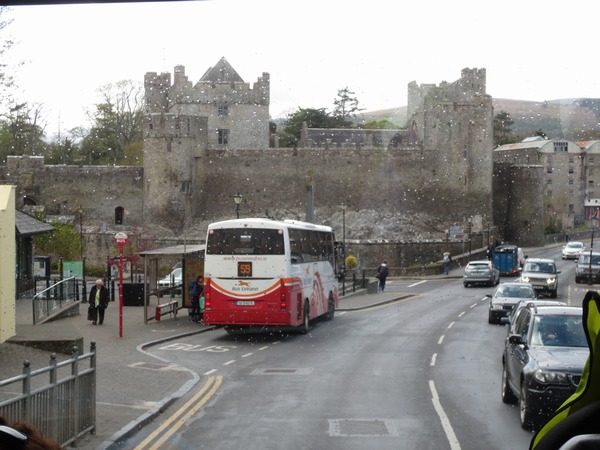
column 119, row 213
column 28, row 201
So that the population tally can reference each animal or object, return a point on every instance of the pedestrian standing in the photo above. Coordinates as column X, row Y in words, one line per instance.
column 382, row 274
column 98, row 301
column 447, row 261
column 197, row 293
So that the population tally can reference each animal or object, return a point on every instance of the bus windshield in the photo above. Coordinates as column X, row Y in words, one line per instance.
column 245, row 241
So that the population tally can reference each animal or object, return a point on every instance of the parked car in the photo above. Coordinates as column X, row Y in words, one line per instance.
column 481, row 272
column 586, row 272
column 572, row 250
column 543, row 360
column 542, row 274
column 173, row 279
column 505, row 297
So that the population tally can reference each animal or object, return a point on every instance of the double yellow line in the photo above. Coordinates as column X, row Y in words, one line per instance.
column 176, row 421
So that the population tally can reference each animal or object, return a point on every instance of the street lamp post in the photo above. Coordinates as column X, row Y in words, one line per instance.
column 344, row 206
column 237, row 198
column 470, row 224
column 594, row 224
column 81, row 231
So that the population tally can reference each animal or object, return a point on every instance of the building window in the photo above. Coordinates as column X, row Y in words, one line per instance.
column 168, row 147
column 571, row 193
column 186, row 187
column 571, row 208
column 222, row 136
column 549, row 181
column 561, row 147
column 151, row 126
column 591, row 159
column 571, row 170
column 571, row 160
column 549, row 169
column 119, row 212
column 570, row 181
column 223, row 110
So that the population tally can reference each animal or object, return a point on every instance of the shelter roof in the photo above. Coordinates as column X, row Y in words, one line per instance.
column 176, row 251
column 27, row 225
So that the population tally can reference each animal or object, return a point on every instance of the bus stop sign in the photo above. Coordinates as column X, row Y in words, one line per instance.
column 121, row 239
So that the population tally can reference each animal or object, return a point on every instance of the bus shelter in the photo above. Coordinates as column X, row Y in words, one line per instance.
column 192, row 263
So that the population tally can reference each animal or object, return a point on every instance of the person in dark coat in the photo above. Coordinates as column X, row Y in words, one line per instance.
column 99, row 300
column 196, row 293
column 382, row 274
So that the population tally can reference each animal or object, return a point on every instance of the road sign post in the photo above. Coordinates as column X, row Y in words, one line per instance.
column 121, row 240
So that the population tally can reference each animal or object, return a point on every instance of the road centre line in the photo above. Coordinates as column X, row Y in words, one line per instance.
column 441, row 339
column 473, row 305
column 418, row 283
column 451, row 325
column 264, row 348
column 229, row 362
column 433, row 359
column 210, row 372
column 209, row 388
column 461, row 314
column 247, row 354
column 452, row 439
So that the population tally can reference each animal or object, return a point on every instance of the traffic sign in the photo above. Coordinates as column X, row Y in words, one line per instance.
column 121, row 238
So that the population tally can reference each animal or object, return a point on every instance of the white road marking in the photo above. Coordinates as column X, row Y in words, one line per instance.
column 452, row 439
column 229, row 362
column 441, row 339
column 451, row 325
column 416, row 284
column 247, row 354
column 433, row 359
column 461, row 314
column 473, row 305
column 210, row 371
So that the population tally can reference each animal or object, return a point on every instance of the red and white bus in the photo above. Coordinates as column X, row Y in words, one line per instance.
column 262, row 273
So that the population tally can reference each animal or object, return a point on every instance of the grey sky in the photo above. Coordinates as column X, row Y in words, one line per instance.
column 532, row 50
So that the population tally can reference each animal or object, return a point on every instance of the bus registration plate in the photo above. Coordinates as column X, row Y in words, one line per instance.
column 245, row 303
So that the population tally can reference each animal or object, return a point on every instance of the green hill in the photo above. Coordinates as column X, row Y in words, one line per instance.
column 572, row 119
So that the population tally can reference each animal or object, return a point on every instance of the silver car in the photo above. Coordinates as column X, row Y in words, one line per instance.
column 481, row 272
column 505, row 297
column 542, row 274
column 588, row 268
column 572, row 250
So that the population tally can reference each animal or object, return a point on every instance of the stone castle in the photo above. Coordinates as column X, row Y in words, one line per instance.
column 206, row 141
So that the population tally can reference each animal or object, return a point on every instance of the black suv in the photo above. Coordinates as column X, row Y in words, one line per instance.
column 543, row 360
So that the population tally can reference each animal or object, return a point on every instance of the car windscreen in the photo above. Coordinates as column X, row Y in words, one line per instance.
column 559, row 331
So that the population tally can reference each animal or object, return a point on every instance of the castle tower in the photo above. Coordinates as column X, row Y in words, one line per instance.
column 185, row 124
column 455, row 121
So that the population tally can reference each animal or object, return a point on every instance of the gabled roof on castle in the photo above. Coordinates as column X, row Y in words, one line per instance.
column 222, row 72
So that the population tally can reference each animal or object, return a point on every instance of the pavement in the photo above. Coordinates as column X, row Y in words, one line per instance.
column 133, row 387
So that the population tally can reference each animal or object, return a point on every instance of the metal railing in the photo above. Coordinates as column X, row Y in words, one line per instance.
column 65, row 408
column 54, row 298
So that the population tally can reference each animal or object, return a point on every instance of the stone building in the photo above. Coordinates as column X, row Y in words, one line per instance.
column 206, row 141
column 563, row 183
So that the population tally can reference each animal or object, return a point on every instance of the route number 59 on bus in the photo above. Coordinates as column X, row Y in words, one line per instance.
column 261, row 273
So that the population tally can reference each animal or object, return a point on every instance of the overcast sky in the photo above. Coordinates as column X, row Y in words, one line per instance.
column 532, row 50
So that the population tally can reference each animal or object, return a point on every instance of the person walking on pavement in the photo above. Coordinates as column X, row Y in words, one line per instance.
column 382, row 274
column 99, row 301
column 447, row 261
